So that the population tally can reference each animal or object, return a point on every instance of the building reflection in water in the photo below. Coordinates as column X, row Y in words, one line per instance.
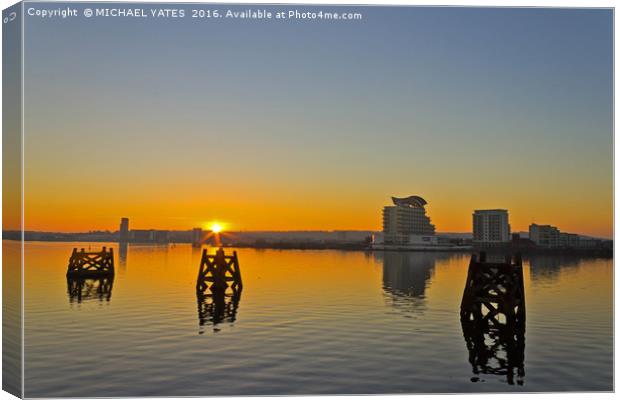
column 85, row 289
column 217, row 306
column 547, row 267
column 122, row 255
column 406, row 276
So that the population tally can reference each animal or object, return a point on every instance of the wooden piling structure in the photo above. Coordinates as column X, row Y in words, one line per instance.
column 91, row 264
column 216, row 271
column 217, row 306
column 493, row 317
column 218, row 288
column 494, row 291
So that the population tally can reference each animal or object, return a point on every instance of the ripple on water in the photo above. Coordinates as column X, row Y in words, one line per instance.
column 377, row 325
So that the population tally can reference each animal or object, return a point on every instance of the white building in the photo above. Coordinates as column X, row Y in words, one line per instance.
column 405, row 218
column 491, row 227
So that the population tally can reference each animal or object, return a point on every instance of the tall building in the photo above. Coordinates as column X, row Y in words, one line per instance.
column 491, row 227
column 123, row 231
column 405, row 218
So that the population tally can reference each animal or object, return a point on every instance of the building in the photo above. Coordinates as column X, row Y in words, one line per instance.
column 123, row 231
column 491, row 227
column 405, row 218
column 545, row 235
column 549, row 236
column 148, row 236
column 569, row 240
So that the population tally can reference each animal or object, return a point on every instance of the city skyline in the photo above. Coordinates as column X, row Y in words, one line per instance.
column 179, row 124
column 217, row 226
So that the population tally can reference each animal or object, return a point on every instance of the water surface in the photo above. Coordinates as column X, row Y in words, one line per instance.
column 306, row 322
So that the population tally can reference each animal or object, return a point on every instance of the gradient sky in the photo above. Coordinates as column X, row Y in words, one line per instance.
column 313, row 125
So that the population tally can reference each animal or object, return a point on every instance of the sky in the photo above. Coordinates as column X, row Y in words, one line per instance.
column 303, row 125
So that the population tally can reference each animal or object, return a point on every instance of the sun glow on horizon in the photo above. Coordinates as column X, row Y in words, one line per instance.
column 216, row 227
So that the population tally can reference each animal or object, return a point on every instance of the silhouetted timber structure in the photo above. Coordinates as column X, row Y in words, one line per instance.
column 217, row 299
column 91, row 264
column 494, row 291
column 82, row 289
column 493, row 317
column 217, row 270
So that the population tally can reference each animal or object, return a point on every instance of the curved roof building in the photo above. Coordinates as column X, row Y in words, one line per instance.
column 406, row 217
column 411, row 201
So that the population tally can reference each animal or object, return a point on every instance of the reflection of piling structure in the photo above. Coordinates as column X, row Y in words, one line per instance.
column 82, row 289
column 217, row 306
column 493, row 317
column 218, row 288
column 85, row 264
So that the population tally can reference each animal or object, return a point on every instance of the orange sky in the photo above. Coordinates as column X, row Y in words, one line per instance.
column 166, row 208
column 316, row 137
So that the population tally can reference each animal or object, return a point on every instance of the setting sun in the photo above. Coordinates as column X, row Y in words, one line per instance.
column 216, row 228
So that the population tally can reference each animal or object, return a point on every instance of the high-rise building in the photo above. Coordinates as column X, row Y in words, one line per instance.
column 123, row 231
column 491, row 227
column 405, row 218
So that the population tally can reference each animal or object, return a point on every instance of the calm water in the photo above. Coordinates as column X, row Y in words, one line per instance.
column 306, row 322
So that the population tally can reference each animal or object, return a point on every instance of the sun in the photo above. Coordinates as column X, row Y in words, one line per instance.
column 216, row 228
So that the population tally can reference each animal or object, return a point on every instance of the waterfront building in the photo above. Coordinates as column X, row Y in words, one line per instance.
column 405, row 218
column 549, row 236
column 149, row 236
column 545, row 235
column 569, row 240
column 491, row 227
column 407, row 227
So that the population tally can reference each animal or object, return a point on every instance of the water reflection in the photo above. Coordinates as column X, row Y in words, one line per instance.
column 406, row 276
column 547, row 267
column 305, row 334
column 122, row 255
column 217, row 306
column 495, row 350
column 84, row 289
